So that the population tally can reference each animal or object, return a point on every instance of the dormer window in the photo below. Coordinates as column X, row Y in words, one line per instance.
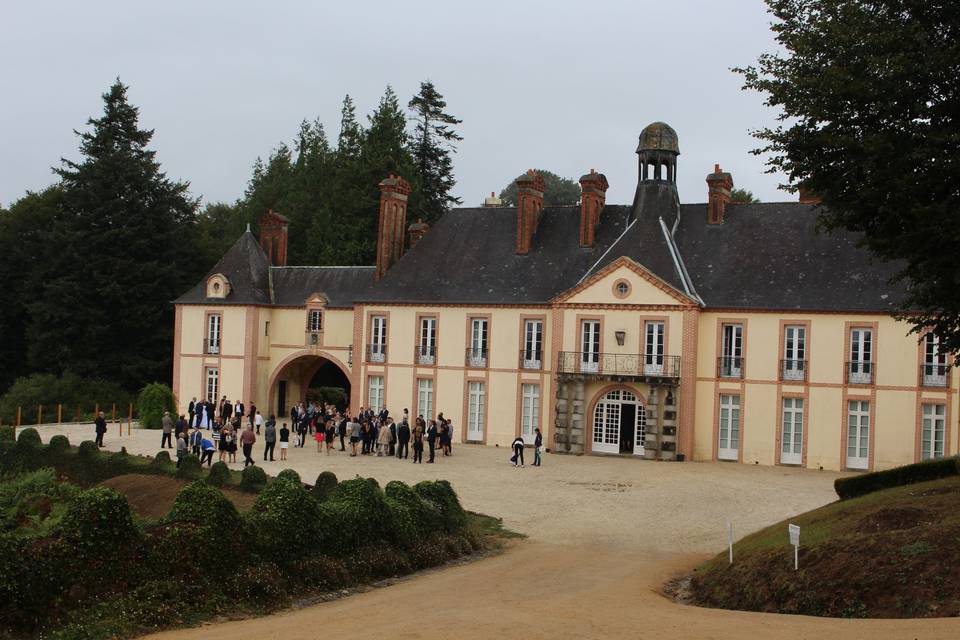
column 315, row 307
column 218, row 286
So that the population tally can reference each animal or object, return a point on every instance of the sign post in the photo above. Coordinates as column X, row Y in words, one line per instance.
column 794, row 531
column 730, row 539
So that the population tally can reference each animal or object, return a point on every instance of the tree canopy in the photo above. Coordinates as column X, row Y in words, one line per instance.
column 742, row 196
column 867, row 94
column 557, row 191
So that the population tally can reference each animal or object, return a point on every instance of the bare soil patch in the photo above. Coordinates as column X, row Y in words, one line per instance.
column 152, row 496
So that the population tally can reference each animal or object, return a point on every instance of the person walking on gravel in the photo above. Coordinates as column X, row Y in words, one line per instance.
column 166, row 423
column 247, row 438
column 100, row 427
column 269, row 438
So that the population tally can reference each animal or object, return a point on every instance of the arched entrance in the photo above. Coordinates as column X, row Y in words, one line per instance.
column 619, row 423
column 307, row 377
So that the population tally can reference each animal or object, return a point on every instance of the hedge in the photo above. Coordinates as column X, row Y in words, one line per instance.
column 253, row 479
column 152, row 401
column 219, row 474
column 865, row 483
column 291, row 475
column 325, row 485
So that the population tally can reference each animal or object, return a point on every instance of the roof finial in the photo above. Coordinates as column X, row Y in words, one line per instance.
column 248, row 227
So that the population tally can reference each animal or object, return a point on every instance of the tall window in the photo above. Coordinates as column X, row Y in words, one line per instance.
column 858, row 434
column 731, row 351
column 653, row 350
column 529, row 411
column 427, row 349
column 860, row 367
column 791, row 435
column 475, row 405
column 532, row 344
column 590, row 345
column 934, row 362
column 794, row 353
column 477, row 353
column 214, row 324
column 729, row 435
column 378, row 339
column 933, row 429
column 213, row 384
column 375, row 393
column 425, row 398
column 315, row 321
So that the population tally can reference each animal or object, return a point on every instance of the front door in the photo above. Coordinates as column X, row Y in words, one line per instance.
column 728, row 447
column 653, row 349
column 791, row 436
column 590, row 356
column 619, row 424
column 628, row 426
column 858, row 434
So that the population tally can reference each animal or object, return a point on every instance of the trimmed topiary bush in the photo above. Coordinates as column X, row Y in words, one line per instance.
column 29, row 437
column 366, row 501
column 253, row 479
column 89, row 449
column 6, row 434
column 152, row 401
column 426, row 517
column 162, row 458
column 325, row 485
column 205, row 506
column 97, row 520
column 291, row 475
column 444, row 498
column 282, row 508
column 58, row 443
column 189, row 467
column 219, row 474
column 865, row 483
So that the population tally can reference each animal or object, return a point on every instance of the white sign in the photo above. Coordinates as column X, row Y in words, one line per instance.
column 730, row 539
column 794, row 534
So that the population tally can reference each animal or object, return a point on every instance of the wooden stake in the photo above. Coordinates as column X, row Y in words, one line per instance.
column 130, row 419
column 59, row 413
column 96, row 411
column 76, row 417
column 18, row 417
column 39, row 414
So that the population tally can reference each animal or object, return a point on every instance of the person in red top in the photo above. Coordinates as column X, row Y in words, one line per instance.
column 247, row 438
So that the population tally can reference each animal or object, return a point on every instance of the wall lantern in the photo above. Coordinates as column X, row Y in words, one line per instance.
column 621, row 336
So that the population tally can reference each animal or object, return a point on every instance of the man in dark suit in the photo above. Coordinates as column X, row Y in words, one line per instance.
column 238, row 409
column 190, row 410
column 403, row 439
column 226, row 412
column 432, row 439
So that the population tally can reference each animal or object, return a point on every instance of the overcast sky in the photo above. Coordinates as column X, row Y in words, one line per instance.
column 565, row 86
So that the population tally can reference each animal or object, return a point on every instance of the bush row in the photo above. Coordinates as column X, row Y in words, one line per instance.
column 865, row 483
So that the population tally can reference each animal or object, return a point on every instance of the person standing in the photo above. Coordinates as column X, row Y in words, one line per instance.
column 537, row 446
column 269, row 438
column 432, row 440
column 166, row 423
column 208, row 409
column 257, row 420
column 353, row 432
column 247, row 439
column 403, row 440
column 238, row 410
column 517, row 447
column 284, row 440
column 417, row 444
column 191, row 410
column 342, row 429
column 181, row 448
column 385, row 439
column 196, row 440
column 100, row 427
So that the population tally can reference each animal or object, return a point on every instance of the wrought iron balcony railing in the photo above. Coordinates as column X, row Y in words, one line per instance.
column 426, row 354
column 211, row 347
column 793, row 370
column 377, row 352
column 730, row 367
column 861, row 372
column 476, row 358
column 935, row 375
column 531, row 359
column 618, row 364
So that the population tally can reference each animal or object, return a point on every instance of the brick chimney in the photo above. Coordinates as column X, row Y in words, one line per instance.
column 719, row 185
column 416, row 231
column 807, row 196
column 529, row 206
column 593, row 195
column 394, row 191
column 273, row 237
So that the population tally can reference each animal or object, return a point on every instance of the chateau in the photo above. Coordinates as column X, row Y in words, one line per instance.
column 717, row 331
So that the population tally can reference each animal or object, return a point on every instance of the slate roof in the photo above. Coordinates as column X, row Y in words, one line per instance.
column 341, row 285
column 246, row 267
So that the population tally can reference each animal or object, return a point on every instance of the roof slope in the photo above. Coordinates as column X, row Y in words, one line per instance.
column 341, row 285
column 246, row 267
column 771, row 256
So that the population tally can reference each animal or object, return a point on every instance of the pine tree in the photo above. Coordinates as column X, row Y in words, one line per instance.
column 433, row 145
column 119, row 253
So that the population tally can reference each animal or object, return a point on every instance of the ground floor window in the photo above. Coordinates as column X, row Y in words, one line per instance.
column 729, row 435
column 791, row 434
column 425, row 398
column 476, row 393
column 529, row 411
column 932, row 431
column 619, row 423
column 375, row 393
column 858, row 434
column 213, row 384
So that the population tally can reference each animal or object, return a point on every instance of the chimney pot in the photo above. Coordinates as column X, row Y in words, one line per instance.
column 593, row 196
column 393, row 216
column 719, row 186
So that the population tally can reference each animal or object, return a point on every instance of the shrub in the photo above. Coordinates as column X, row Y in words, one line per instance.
column 162, row 458
column 97, row 520
column 48, row 390
column 205, row 506
column 89, row 449
column 369, row 516
column 261, row 585
column 219, row 474
column 6, row 434
column 189, row 467
column 325, row 485
column 426, row 517
column 28, row 450
column 289, row 474
column 253, row 479
column 444, row 498
column 865, row 483
column 29, row 438
column 152, row 401
column 282, row 509
column 58, row 443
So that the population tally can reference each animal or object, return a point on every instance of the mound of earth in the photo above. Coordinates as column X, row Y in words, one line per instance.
column 152, row 496
column 889, row 554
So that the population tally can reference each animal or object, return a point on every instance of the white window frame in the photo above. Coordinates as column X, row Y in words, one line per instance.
column 934, row 362
column 861, row 356
column 590, row 346
column 476, row 406
column 425, row 398
column 532, row 344
column 212, row 384
column 730, row 427
column 605, row 434
column 794, row 352
column 529, row 411
column 315, row 320
column 378, row 338
column 731, row 351
column 427, row 346
column 479, row 337
column 933, row 430
column 214, row 333
column 654, row 347
column 858, row 434
column 791, row 431
column 375, row 393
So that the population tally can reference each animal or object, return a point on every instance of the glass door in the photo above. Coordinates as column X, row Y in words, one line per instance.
column 653, row 349
column 931, row 443
column 378, row 339
column 858, row 434
column 590, row 354
column 731, row 360
column 475, row 406
column 791, row 436
column 861, row 356
column 478, row 342
column 533, row 344
column 428, row 341
column 934, row 362
column 729, row 437
column 794, row 353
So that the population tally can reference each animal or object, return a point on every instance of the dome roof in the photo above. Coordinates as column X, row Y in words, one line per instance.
column 658, row 136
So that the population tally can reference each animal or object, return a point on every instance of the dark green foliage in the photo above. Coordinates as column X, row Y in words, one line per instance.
column 33, row 503
column 866, row 97
column 97, row 520
column 366, row 514
column 865, row 483
column 325, row 485
column 206, row 507
column 291, row 475
column 557, row 191
column 152, row 401
column 59, row 443
column 28, row 449
column 742, row 196
column 432, row 146
column 162, row 458
column 425, row 516
column 7, row 434
column 444, row 498
column 219, row 474
column 261, row 585
column 29, row 438
column 253, row 479
column 48, row 390
column 189, row 467
column 282, row 509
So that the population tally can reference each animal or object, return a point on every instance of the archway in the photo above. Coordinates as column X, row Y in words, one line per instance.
column 308, row 376
column 618, row 419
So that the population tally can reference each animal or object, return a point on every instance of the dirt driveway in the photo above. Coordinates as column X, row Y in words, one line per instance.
column 604, row 535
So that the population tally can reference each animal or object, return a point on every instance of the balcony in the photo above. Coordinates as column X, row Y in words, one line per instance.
column 860, row 372
column 618, row 365
column 426, row 354
column 531, row 359
column 211, row 347
column 730, row 367
column 476, row 358
column 376, row 353
column 935, row 375
column 793, row 370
